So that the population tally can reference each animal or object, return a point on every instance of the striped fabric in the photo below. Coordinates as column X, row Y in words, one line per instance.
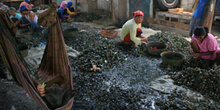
column 55, row 60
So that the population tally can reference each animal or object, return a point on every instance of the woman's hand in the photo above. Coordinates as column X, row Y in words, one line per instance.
column 22, row 25
column 41, row 90
column 31, row 5
column 144, row 39
column 197, row 56
column 68, row 17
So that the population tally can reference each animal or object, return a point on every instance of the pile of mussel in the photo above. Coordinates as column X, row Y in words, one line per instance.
column 32, row 40
column 179, row 101
column 95, row 50
column 193, row 63
column 197, row 74
column 87, row 17
column 175, row 42
column 205, row 81
column 128, row 49
column 103, row 56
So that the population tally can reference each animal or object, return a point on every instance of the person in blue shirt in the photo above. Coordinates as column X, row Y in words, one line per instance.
column 60, row 11
column 14, row 16
column 197, row 16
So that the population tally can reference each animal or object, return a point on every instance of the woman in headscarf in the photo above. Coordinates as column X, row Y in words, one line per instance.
column 131, row 30
column 69, row 10
column 60, row 11
column 27, row 4
column 14, row 16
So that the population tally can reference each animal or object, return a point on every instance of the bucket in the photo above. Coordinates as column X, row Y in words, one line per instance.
column 23, row 49
column 172, row 58
column 156, row 48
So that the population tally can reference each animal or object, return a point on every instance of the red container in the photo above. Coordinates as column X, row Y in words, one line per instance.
column 108, row 33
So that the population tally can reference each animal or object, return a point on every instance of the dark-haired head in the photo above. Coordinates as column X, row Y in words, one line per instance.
column 200, row 33
column 206, row 29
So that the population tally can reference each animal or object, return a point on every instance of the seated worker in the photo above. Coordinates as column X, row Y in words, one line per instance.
column 204, row 45
column 60, row 11
column 28, row 19
column 69, row 10
column 131, row 30
column 14, row 16
column 27, row 4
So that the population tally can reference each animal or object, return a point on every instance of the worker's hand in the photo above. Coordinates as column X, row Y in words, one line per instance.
column 191, row 51
column 22, row 25
column 144, row 39
column 197, row 56
column 41, row 90
column 31, row 5
column 68, row 17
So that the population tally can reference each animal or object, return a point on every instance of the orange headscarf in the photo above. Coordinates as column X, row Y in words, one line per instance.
column 138, row 13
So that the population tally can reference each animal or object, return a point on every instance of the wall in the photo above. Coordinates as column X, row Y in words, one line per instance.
column 187, row 4
column 122, row 8
column 104, row 5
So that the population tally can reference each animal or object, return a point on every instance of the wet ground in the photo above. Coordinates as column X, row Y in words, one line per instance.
column 123, row 81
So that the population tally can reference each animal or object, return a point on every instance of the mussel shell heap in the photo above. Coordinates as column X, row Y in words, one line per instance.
column 137, row 52
column 32, row 40
column 175, row 42
column 204, row 81
column 179, row 101
column 103, row 56
column 97, row 50
column 197, row 74
column 201, row 63
column 87, row 17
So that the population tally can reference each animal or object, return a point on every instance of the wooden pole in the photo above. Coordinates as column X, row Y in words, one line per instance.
column 211, row 19
column 206, row 12
column 76, row 5
column 113, row 11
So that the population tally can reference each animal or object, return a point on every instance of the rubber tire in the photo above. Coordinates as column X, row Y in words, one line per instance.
column 164, row 5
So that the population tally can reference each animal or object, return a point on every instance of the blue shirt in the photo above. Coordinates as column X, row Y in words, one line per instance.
column 17, row 15
column 60, row 12
column 199, row 9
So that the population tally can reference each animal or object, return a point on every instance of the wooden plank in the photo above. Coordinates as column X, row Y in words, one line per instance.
column 175, row 15
column 181, row 26
column 176, row 25
column 217, row 13
column 14, row 0
column 169, row 24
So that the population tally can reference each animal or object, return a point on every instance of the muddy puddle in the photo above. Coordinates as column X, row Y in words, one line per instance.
column 125, row 77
